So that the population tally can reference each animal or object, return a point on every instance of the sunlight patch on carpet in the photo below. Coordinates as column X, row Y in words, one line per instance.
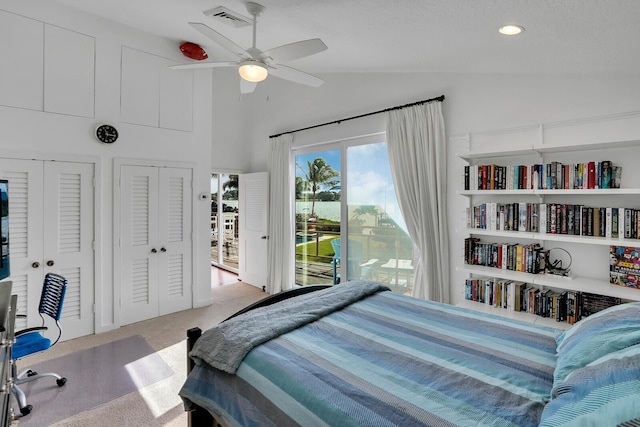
column 162, row 396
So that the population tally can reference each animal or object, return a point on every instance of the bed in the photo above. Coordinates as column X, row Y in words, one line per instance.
column 357, row 354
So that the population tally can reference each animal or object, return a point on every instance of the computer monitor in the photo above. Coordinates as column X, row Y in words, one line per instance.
column 5, row 302
column 4, row 229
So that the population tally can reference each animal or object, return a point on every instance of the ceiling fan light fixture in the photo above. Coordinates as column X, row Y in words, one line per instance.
column 253, row 71
column 511, row 30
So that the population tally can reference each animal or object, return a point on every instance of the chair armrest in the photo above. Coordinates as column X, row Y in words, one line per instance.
column 29, row 330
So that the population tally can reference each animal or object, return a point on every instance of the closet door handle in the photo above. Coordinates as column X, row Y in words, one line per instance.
column 35, row 264
column 163, row 250
column 50, row 263
column 154, row 251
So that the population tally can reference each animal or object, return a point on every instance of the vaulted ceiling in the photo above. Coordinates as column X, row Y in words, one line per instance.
column 560, row 37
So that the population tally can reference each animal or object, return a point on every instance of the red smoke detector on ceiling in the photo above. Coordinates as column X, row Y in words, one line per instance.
column 193, row 51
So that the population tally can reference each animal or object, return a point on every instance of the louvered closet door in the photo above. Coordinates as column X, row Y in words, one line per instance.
column 68, row 245
column 174, row 234
column 51, row 222
column 25, row 233
column 139, row 243
column 155, row 240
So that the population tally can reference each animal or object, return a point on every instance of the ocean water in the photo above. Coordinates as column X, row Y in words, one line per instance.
column 325, row 210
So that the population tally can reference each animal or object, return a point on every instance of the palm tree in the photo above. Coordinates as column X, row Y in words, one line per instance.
column 319, row 173
column 301, row 185
column 365, row 210
column 231, row 183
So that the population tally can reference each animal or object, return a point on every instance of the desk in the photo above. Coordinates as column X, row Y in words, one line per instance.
column 395, row 267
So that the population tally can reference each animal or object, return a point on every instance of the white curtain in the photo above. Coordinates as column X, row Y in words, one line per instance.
column 280, row 249
column 417, row 153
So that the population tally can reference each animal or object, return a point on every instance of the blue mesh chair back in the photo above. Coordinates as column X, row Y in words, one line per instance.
column 51, row 300
column 52, row 296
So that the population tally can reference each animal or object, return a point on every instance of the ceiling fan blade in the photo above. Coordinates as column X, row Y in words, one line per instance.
column 297, row 50
column 204, row 65
column 220, row 39
column 295, row 76
column 247, row 86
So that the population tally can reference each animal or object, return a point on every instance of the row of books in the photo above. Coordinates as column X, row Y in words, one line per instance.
column 528, row 258
column 518, row 216
column 548, row 176
column 556, row 218
column 569, row 306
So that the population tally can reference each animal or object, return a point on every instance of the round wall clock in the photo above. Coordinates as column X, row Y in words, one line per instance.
column 106, row 134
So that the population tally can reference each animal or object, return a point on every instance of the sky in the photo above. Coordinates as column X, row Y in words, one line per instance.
column 369, row 176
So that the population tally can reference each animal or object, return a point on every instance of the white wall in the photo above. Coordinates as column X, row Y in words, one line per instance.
column 473, row 103
column 43, row 135
column 230, row 131
column 231, row 121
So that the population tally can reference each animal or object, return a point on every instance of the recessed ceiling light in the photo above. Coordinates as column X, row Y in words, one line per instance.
column 511, row 30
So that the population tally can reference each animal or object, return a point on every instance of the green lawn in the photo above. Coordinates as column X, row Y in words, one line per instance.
column 375, row 249
column 325, row 251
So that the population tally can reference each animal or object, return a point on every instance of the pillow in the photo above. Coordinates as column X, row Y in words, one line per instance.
column 595, row 336
column 605, row 392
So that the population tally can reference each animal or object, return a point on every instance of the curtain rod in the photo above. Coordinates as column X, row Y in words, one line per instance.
column 399, row 107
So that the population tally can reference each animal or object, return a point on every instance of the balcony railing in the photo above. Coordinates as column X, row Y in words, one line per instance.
column 381, row 253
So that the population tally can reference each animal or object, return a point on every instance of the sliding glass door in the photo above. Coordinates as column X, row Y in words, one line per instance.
column 348, row 223
column 379, row 247
column 318, row 214
column 224, row 221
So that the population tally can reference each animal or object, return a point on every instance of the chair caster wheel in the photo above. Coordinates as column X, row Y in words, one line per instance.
column 61, row 382
column 31, row 373
column 26, row 410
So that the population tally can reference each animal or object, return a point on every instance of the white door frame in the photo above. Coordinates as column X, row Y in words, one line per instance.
column 117, row 285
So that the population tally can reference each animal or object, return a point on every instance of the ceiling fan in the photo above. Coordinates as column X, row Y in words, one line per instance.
column 253, row 64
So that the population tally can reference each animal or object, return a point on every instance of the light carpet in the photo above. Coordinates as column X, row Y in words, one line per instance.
column 95, row 376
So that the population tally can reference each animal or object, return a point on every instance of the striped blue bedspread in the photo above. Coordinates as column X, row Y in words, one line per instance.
column 388, row 360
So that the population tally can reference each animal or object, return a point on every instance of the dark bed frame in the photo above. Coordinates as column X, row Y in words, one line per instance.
column 198, row 416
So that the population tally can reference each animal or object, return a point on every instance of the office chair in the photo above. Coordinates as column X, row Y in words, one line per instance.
column 357, row 269
column 30, row 341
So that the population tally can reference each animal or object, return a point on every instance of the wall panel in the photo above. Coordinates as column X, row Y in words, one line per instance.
column 21, row 50
column 139, row 94
column 69, row 72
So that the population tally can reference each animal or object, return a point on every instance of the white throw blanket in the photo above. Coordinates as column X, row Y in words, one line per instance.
column 225, row 345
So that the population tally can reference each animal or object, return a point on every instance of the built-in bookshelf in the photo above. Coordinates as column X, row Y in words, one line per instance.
column 572, row 186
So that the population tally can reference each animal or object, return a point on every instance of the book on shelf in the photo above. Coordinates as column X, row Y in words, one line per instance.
column 608, row 222
column 616, row 176
column 515, row 257
column 561, row 305
column 542, row 217
column 593, row 303
column 614, row 223
column 553, row 176
column 591, row 175
column 605, row 180
column 573, row 307
column 556, row 218
column 624, row 266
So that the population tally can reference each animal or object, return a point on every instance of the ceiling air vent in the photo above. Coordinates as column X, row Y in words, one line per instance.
column 229, row 17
